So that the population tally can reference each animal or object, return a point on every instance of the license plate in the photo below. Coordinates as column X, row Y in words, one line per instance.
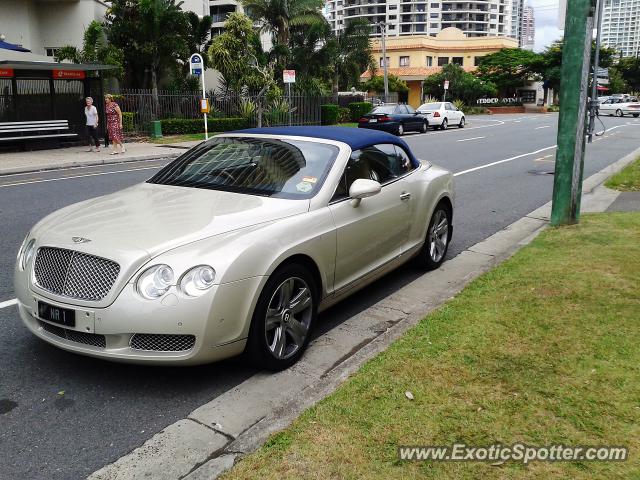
column 61, row 316
column 373, row 120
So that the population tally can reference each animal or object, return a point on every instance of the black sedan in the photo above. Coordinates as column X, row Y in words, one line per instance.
column 394, row 118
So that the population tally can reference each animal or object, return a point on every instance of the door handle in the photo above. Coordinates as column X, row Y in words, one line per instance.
column 405, row 196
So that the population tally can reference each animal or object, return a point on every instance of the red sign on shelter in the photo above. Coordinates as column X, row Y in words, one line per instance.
column 69, row 74
column 6, row 72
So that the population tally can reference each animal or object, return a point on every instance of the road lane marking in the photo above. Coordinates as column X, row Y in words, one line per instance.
column 27, row 182
column 451, row 130
column 467, row 139
column 544, row 159
column 9, row 303
column 544, row 126
column 510, row 159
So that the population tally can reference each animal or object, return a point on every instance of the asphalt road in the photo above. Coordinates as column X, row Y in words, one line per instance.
column 63, row 416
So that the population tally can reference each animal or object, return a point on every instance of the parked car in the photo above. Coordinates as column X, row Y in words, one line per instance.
column 394, row 118
column 619, row 107
column 235, row 246
column 442, row 114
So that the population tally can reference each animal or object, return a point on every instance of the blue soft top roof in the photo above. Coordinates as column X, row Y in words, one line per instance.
column 356, row 138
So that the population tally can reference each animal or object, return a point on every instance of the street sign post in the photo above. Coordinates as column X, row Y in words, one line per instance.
column 289, row 77
column 446, row 87
column 196, row 67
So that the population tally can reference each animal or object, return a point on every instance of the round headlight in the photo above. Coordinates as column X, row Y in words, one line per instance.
column 155, row 281
column 197, row 280
column 27, row 253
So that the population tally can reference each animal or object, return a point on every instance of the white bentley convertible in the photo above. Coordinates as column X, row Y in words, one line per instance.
column 233, row 247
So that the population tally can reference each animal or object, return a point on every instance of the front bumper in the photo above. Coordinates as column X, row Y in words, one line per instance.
column 204, row 329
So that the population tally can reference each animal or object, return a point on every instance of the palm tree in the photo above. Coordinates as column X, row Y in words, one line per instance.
column 278, row 16
column 199, row 34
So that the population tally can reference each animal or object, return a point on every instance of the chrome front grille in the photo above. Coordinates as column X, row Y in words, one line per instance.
column 162, row 343
column 74, row 274
column 74, row 336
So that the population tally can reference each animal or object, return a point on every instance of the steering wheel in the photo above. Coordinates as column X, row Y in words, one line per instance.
column 226, row 176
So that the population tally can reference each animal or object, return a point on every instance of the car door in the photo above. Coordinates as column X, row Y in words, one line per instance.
column 452, row 113
column 370, row 233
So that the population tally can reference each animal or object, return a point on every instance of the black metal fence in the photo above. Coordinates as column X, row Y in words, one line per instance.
column 141, row 107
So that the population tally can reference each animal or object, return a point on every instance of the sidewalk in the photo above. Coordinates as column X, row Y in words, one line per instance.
column 23, row 162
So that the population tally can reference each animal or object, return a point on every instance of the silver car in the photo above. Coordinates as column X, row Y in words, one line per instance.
column 233, row 247
column 442, row 114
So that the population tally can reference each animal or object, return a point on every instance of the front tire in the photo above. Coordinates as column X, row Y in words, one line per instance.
column 400, row 130
column 283, row 318
column 462, row 122
column 434, row 250
column 619, row 113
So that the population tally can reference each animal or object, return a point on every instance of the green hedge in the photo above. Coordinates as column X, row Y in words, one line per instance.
column 345, row 115
column 329, row 114
column 172, row 126
column 359, row 109
column 127, row 121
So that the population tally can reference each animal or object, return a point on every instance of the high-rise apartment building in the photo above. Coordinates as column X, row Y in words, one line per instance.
column 621, row 26
column 476, row 18
column 516, row 20
column 528, row 38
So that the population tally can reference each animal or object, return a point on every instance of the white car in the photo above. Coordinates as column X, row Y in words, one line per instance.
column 442, row 114
column 235, row 246
column 619, row 107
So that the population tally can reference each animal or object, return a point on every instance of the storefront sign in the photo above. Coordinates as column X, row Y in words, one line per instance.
column 289, row 76
column 69, row 74
column 489, row 101
column 6, row 72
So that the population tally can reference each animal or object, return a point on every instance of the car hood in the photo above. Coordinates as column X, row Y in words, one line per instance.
column 155, row 218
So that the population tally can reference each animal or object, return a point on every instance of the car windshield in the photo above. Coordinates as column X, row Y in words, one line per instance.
column 386, row 109
column 430, row 106
column 255, row 166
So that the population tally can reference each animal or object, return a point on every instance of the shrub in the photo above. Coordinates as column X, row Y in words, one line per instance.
column 359, row 109
column 344, row 115
column 127, row 121
column 173, row 126
column 553, row 108
column 459, row 104
column 475, row 110
column 329, row 114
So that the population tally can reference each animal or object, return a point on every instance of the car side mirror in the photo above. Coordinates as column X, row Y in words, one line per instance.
column 363, row 188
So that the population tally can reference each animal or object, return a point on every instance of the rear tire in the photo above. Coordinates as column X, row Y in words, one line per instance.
column 283, row 318
column 445, row 124
column 462, row 122
column 439, row 232
column 425, row 127
column 636, row 115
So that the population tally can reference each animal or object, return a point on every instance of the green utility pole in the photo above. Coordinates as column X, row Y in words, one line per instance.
column 576, row 54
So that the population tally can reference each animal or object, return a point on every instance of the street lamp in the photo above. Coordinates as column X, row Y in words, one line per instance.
column 383, row 33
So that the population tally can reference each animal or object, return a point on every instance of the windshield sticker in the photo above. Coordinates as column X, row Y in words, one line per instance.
column 304, row 187
column 310, row 179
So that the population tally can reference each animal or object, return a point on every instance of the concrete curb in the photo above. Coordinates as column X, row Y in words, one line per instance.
column 89, row 163
column 239, row 421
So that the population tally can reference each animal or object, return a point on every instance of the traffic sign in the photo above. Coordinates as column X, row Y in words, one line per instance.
column 289, row 76
column 195, row 64
column 446, row 84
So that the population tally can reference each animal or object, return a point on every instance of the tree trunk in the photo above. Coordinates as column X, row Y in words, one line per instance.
column 336, row 84
column 154, row 93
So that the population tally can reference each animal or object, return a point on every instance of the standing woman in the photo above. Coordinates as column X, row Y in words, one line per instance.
column 114, row 123
column 91, row 113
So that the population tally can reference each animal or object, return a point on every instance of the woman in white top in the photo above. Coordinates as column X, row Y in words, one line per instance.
column 91, row 113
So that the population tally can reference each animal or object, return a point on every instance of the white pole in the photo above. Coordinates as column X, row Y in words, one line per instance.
column 204, row 96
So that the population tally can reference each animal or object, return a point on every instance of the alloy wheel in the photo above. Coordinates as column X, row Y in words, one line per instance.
column 400, row 130
column 619, row 113
column 438, row 236
column 288, row 318
column 445, row 124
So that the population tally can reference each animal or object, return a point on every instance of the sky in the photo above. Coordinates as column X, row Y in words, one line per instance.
column 546, row 15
